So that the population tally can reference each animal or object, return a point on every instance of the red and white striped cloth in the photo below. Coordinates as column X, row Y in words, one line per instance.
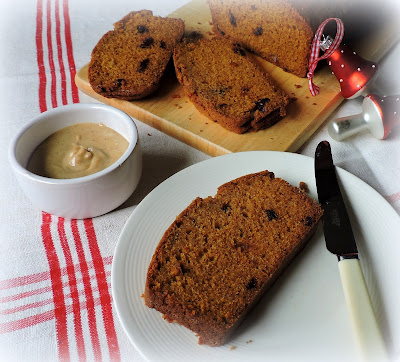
column 55, row 293
column 70, row 300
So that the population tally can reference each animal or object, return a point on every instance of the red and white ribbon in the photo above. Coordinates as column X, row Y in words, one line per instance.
column 315, row 48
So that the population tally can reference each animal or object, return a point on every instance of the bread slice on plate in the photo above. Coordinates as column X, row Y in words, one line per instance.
column 222, row 253
column 128, row 62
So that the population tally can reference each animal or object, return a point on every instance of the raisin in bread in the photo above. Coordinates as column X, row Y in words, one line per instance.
column 224, row 83
column 272, row 29
column 222, row 253
column 129, row 61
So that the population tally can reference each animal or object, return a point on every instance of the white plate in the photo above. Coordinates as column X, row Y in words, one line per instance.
column 303, row 316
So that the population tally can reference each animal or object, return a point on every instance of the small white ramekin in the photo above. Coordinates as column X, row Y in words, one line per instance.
column 82, row 197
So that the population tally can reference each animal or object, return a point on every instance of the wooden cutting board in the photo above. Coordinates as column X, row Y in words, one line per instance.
column 170, row 111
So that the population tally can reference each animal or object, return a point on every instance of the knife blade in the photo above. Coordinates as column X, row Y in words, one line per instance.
column 339, row 236
column 340, row 241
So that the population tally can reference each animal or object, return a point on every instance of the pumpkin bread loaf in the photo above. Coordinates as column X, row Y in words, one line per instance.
column 224, row 83
column 128, row 62
column 222, row 253
column 272, row 29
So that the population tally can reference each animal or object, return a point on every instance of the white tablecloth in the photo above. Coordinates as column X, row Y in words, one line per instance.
column 55, row 295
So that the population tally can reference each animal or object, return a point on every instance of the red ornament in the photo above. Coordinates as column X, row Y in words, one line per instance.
column 353, row 72
column 379, row 115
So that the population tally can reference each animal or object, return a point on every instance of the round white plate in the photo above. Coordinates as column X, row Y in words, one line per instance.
column 303, row 317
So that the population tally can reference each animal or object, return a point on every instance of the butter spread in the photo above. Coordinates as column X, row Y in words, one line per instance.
column 76, row 151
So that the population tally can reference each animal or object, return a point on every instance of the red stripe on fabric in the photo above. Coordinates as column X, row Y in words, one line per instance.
column 73, row 289
column 35, row 304
column 70, row 54
column 21, row 308
column 40, row 61
column 57, row 287
column 27, row 294
column 55, row 270
column 38, row 318
column 25, row 280
column 40, row 277
column 88, row 291
column 26, row 322
column 53, row 92
column 105, row 296
column 60, row 55
column 393, row 197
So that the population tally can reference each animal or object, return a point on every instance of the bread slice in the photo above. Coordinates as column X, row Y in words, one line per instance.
column 128, row 62
column 273, row 29
column 224, row 83
column 222, row 253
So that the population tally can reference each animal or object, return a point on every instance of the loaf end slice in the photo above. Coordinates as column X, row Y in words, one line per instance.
column 128, row 62
column 273, row 29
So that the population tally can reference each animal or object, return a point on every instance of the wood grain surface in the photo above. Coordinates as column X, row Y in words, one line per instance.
column 171, row 112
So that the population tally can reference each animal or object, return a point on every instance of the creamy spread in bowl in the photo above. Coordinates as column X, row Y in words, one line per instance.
column 77, row 150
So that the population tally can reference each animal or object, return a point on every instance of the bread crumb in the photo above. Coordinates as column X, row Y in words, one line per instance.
column 169, row 320
column 233, row 348
column 303, row 186
column 249, row 341
column 298, row 86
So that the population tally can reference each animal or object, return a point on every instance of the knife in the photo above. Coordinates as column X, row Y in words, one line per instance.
column 340, row 241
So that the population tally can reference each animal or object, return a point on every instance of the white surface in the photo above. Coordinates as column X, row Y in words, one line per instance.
column 81, row 197
column 304, row 316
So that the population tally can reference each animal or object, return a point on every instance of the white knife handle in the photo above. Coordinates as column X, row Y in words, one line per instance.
column 365, row 327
